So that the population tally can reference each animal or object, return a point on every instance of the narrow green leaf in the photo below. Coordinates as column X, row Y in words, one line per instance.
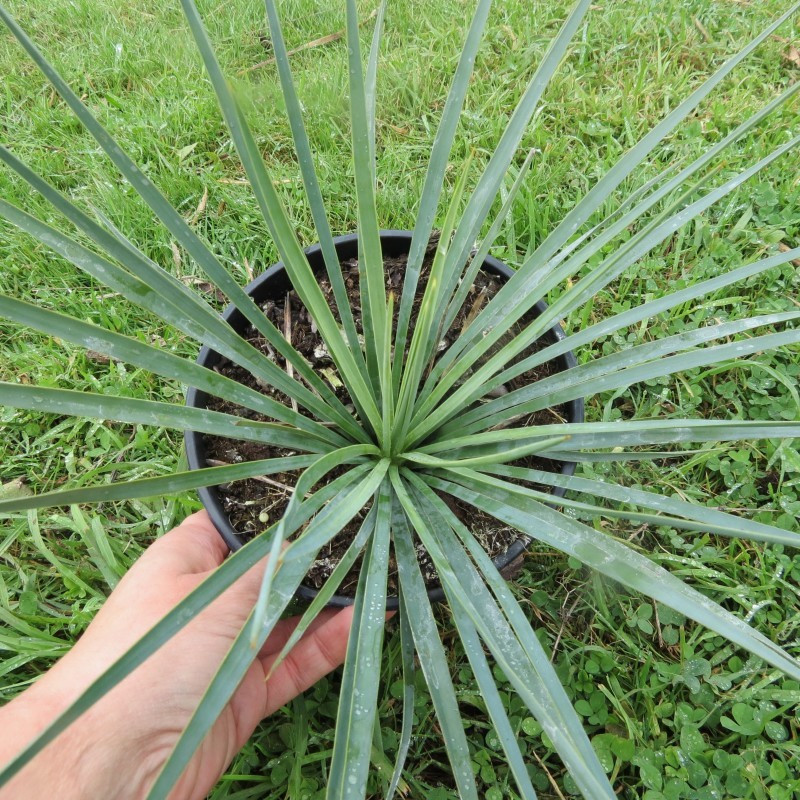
column 158, row 361
column 306, row 542
column 152, row 412
column 713, row 521
column 534, row 678
column 315, row 473
column 426, row 324
column 620, row 454
column 511, row 455
column 186, row 610
column 175, row 223
column 432, row 659
column 213, row 331
column 370, row 261
column 619, row 434
column 602, row 190
column 555, row 277
column 409, row 670
column 476, row 260
column 616, row 560
column 591, row 511
column 558, row 276
column 482, row 252
column 280, row 226
column 358, row 698
column 625, row 368
column 106, row 222
column 329, row 588
column 647, row 310
column 387, row 395
column 491, row 697
column 311, row 184
column 614, row 265
column 175, row 483
column 481, row 200
column 371, row 83
column 333, row 517
column 697, row 357
column 434, row 178
column 114, row 243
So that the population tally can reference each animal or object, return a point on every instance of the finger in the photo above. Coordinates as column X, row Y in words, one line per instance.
column 285, row 628
column 193, row 547
column 314, row 656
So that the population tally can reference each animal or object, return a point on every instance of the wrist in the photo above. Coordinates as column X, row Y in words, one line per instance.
column 97, row 756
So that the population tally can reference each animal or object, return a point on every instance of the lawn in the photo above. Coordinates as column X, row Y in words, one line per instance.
column 674, row 711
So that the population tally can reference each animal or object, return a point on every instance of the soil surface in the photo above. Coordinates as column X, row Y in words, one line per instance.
column 254, row 503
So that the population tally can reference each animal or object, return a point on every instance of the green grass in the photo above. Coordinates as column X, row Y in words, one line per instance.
column 675, row 711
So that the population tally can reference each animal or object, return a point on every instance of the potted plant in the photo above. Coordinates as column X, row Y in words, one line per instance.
column 398, row 433
column 270, row 291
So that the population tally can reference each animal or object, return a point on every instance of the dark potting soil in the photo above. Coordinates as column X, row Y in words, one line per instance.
column 255, row 503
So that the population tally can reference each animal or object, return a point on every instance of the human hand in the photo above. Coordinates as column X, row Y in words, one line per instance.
column 117, row 748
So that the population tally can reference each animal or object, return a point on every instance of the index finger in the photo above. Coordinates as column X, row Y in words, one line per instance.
column 193, row 547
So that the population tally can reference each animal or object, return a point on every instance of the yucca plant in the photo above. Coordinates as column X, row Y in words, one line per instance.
column 401, row 432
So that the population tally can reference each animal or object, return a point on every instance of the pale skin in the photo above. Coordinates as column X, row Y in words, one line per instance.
column 118, row 747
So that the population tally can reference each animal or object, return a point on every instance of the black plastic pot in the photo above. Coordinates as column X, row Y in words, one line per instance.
column 275, row 283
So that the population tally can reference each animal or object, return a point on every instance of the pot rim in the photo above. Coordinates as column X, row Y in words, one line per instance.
column 195, row 453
